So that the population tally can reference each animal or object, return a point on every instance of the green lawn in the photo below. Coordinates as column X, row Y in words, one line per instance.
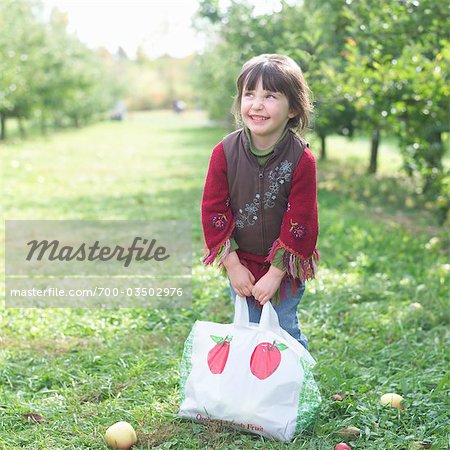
column 82, row 370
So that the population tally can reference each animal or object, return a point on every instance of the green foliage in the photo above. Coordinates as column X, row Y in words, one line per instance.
column 47, row 74
column 321, row 38
column 215, row 84
column 400, row 51
column 20, row 34
column 83, row 370
column 48, row 77
column 217, row 69
column 376, row 67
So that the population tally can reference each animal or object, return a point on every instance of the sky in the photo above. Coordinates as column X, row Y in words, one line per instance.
column 158, row 26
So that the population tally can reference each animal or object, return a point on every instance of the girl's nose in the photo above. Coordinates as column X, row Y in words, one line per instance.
column 258, row 103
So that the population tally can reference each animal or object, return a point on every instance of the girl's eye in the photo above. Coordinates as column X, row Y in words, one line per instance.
column 247, row 94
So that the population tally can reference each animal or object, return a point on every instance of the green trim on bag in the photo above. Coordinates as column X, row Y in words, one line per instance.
column 186, row 363
column 308, row 401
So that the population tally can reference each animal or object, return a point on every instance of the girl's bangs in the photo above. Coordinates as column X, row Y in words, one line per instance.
column 272, row 79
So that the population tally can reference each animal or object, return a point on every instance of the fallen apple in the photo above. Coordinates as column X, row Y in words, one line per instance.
column 416, row 445
column 394, row 400
column 416, row 306
column 121, row 436
column 350, row 432
column 342, row 446
column 339, row 396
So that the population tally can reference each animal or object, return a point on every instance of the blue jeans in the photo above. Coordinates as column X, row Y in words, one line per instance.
column 286, row 310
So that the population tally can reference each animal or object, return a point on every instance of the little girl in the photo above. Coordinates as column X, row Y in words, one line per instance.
column 259, row 206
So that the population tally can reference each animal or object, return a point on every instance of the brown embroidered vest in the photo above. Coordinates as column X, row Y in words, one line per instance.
column 259, row 195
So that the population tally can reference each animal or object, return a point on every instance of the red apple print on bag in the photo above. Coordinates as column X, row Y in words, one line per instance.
column 218, row 355
column 266, row 358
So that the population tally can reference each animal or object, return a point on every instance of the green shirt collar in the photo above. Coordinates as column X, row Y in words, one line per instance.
column 267, row 151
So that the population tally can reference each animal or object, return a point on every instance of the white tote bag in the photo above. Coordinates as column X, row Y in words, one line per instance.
column 256, row 378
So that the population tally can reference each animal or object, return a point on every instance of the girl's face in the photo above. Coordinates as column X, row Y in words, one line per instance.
column 266, row 114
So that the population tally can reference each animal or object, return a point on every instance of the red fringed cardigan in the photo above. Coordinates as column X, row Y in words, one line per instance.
column 263, row 209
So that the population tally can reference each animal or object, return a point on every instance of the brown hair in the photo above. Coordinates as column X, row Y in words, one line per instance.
column 278, row 73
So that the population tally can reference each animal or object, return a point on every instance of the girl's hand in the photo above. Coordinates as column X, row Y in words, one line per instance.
column 240, row 277
column 266, row 287
column 241, row 280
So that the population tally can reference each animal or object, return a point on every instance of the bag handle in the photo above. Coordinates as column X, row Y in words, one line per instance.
column 241, row 317
column 269, row 319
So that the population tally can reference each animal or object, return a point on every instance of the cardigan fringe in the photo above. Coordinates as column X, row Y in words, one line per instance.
column 221, row 250
column 296, row 265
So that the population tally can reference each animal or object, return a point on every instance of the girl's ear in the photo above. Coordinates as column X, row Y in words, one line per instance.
column 291, row 114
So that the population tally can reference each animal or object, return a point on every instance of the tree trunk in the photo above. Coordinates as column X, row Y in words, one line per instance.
column 43, row 124
column 323, row 148
column 374, row 150
column 2, row 126
column 437, row 149
column 433, row 157
column 22, row 132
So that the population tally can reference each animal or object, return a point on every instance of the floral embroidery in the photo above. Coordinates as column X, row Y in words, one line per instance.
column 219, row 221
column 297, row 230
column 250, row 217
column 277, row 177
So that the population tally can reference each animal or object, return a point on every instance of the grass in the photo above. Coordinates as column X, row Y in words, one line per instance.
column 82, row 370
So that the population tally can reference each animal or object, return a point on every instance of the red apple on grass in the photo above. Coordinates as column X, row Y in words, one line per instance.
column 342, row 446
